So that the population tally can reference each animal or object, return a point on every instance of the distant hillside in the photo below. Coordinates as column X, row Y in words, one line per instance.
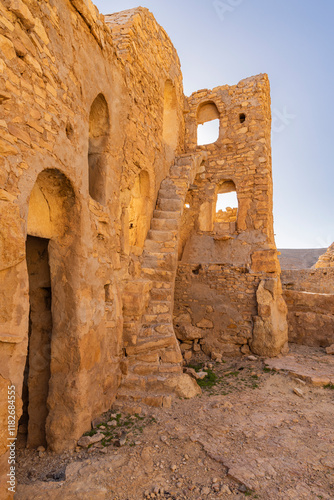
column 299, row 258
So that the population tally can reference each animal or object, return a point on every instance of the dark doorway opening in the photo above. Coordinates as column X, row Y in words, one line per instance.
column 37, row 370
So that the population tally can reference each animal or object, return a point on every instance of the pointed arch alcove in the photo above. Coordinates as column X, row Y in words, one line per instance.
column 99, row 125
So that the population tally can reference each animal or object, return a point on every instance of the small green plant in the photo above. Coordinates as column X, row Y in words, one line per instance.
column 210, row 380
column 329, row 386
column 91, row 432
column 267, row 370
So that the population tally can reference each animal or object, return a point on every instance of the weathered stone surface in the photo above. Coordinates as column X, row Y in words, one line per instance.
column 310, row 317
column 185, row 386
column 265, row 260
column 327, row 259
column 330, row 349
column 270, row 334
column 12, row 239
column 85, row 441
column 21, row 11
column 205, row 323
column 188, row 332
column 317, row 370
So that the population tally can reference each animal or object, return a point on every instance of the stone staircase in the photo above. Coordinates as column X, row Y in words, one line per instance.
column 153, row 362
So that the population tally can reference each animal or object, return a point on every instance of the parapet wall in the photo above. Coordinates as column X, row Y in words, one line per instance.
column 310, row 280
column 309, row 295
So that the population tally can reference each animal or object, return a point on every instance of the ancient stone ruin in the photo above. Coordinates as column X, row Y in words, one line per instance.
column 116, row 261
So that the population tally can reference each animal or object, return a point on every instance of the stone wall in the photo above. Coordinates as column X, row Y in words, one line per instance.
column 327, row 259
column 309, row 295
column 241, row 157
column 220, row 301
column 310, row 317
column 222, row 263
column 56, row 60
column 310, row 280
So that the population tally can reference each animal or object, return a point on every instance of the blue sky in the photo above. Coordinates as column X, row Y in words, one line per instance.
column 222, row 42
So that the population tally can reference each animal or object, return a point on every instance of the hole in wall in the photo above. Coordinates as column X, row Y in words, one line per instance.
column 208, row 123
column 226, row 208
column 208, row 133
column 227, row 201
column 69, row 130
column 197, row 269
column 242, row 117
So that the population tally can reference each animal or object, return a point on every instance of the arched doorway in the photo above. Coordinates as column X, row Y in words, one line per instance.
column 52, row 222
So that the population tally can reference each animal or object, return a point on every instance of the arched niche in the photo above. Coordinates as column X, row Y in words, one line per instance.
column 208, row 123
column 99, row 125
column 170, row 119
column 139, row 210
column 51, row 202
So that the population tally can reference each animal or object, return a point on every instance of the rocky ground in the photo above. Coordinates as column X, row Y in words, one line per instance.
column 261, row 429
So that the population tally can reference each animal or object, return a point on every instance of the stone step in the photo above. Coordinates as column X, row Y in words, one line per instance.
column 161, row 294
column 126, row 398
column 180, row 172
column 158, row 307
column 170, row 205
column 151, row 343
column 133, row 381
column 163, row 214
column 153, row 246
column 161, row 236
column 158, row 275
column 162, row 253
column 163, row 224
column 166, row 261
column 168, row 194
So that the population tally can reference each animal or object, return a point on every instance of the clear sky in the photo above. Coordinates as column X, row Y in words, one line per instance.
column 223, row 41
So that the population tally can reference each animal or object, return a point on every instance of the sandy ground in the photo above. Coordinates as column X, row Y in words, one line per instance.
column 257, row 432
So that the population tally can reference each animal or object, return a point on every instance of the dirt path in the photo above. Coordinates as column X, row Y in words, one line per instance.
column 254, row 432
